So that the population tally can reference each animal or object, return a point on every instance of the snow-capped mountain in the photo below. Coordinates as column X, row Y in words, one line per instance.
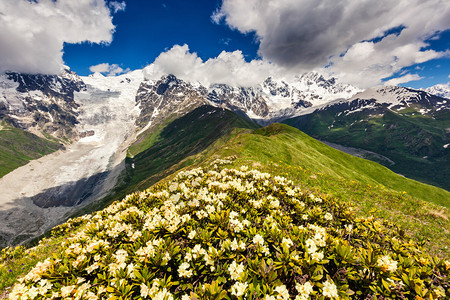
column 269, row 101
column 41, row 103
column 397, row 98
column 99, row 117
column 45, row 104
column 441, row 90
column 408, row 127
column 164, row 98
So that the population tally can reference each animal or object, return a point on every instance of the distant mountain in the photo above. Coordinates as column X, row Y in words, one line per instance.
column 69, row 107
column 41, row 104
column 409, row 127
column 442, row 90
column 132, row 130
column 272, row 100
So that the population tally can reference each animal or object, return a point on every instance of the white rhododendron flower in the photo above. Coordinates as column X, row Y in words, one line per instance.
column 238, row 289
column 192, row 234
column 258, row 240
column 183, row 270
column 330, row 290
column 387, row 264
column 236, row 270
column 287, row 242
column 282, row 291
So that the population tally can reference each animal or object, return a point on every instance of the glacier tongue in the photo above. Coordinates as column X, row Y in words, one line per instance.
column 47, row 188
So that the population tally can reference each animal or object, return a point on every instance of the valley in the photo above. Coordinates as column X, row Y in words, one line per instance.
column 131, row 131
column 44, row 192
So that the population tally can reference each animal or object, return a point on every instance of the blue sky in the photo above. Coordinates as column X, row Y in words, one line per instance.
column 147, row 28
column 365, row 43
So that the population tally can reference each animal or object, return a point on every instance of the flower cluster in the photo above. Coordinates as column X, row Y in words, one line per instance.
column 232, row 233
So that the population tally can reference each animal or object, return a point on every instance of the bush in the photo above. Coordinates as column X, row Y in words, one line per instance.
column 234, row 234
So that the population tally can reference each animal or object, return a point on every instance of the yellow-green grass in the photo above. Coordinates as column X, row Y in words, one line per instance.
column 418, row 209
column 18, row 147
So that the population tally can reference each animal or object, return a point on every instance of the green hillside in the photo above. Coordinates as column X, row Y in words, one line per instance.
column 226, row 233
column 415, row 142
column 172, row 146
column 422, row 210
column 349, row 187
column 18, row 147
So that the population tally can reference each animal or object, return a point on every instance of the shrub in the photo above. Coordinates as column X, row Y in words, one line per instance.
column 234, row 234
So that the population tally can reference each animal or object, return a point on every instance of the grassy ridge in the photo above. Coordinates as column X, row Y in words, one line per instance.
column 421, row 210
column 412, row 140
column 226, row 233
column 18, row 147
column 202, row 136
column 182, row 138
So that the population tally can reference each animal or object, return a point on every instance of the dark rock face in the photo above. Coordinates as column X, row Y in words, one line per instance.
column 44, row 103
column 169, row 97
column 51, row 85
column 240, row 99
column 87, row 133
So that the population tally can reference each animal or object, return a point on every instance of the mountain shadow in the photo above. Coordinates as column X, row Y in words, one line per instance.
column 171, row 147
column 186, row 136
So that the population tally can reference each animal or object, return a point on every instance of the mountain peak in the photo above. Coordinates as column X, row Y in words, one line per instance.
column 442, row 90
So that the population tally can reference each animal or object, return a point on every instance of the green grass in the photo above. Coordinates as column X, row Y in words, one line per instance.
column 18, row 147
column 413, row 141
column 186, row 136
column 172, row 146
column 148, row 138
column 200, row 137
column 420, row 209
column 22, row 260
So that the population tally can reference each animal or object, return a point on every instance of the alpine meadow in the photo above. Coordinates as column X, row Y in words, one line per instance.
column 224, row 149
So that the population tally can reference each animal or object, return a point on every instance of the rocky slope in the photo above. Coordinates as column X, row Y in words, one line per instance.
column 42, row 104
column 50, row 188
column 272, row 100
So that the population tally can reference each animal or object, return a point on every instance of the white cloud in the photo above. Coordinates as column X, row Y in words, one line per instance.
column 309, row 34
column 117, row 6
column 109, row 70
column 32, row 33
column 228, row 68
column 403, row 79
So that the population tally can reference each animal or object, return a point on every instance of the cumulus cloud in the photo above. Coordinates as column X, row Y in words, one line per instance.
column 109, row 70
column 117, row 6
column 403, row 79
column 227, row 68
column 32, row 33
column 348, row 36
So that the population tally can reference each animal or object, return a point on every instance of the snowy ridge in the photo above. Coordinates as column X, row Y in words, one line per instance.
column 441, row 90
column 54, row 185
column 269, row 101
column 375, row 101
column 37, row 102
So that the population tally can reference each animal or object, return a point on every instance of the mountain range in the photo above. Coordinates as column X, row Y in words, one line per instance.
column 105, row 133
